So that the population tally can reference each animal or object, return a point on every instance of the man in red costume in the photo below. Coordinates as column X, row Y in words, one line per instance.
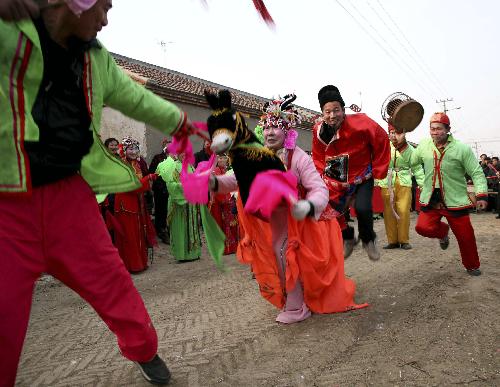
column 349, row 151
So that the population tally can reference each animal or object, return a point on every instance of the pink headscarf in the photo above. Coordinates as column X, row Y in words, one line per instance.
column 79, row 6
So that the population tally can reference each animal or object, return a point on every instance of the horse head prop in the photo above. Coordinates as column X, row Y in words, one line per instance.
column 226, row 126
column 229, row 134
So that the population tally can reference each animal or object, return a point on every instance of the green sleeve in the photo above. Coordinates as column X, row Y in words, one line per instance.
column 411, row 156
column 417, row 170
column 419, row 174
column 169, row 170
column 474, row 170
column 214, row 236
column 135, row 101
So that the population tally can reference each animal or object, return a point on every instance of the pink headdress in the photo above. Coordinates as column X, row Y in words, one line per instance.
column 79, row 6
column 282, row 114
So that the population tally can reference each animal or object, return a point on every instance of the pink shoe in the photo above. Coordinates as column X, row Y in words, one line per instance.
column 293, row 316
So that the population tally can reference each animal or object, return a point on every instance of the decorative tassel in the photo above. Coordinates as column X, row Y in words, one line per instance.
column 264, row 13
column 261, row 8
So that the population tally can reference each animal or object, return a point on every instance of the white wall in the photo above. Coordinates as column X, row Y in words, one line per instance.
column 115, row 124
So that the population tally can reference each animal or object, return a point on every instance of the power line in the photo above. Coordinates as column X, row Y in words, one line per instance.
column 397, row 36
column 443, row 101
column 379, row 44
column 437, row 80
column 426, row 71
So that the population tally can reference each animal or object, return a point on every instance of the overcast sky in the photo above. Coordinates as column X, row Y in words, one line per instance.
column 429, row 49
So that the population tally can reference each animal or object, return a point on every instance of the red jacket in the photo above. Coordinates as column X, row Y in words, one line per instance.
column 358, row 144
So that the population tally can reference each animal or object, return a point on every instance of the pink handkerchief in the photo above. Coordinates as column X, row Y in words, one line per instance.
column 183, row 144
column 268, row 190
column 195, row 185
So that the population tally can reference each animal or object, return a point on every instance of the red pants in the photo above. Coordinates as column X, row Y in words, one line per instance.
column 59, row 230
column 429, row 225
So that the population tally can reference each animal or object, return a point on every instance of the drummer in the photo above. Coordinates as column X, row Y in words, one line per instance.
column 396, row 192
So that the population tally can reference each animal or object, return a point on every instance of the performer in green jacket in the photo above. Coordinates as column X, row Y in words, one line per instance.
column 446, row 161
column 182, row 217
column 55, row 77
column 396, row 192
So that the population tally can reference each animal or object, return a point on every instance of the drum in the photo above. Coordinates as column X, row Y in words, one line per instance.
column 402, row 112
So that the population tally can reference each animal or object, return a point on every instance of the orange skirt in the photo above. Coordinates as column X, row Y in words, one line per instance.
column 314, row 256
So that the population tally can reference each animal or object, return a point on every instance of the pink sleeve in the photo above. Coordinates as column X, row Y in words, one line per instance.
column 226, row 183
column 308, row 176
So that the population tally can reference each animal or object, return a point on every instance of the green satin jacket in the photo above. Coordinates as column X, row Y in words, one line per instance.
column 21, row 71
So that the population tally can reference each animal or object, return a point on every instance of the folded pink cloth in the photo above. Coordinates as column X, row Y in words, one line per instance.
column 270, row 189
column 79, row 6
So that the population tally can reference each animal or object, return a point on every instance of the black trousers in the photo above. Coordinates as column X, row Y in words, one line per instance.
column 364, row 213
column 160, row 194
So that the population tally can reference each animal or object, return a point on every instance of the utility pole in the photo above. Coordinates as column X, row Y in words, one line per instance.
column 475, row 147
column 443, row 101
column 163, row 47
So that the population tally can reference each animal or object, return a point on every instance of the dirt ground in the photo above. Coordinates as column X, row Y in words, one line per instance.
column 429, row 324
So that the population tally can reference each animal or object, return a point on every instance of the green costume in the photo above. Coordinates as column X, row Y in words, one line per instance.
column 182, row 217
column 401, row 169
column 457, row 160
column 21, row 64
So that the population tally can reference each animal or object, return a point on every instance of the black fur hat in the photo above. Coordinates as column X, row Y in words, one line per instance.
column 329, row 93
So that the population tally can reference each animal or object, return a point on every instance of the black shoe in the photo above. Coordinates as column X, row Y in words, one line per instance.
column 497, row 217
column 474, row 272
column 391, row 246
column 444, row 242
column 155, row 371
column 406, row 246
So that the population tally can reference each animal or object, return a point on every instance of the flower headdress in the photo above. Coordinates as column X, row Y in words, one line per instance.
column 282, row 114
column 127, row 142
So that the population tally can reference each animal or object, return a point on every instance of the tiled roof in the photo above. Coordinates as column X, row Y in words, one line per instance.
column 179, row 87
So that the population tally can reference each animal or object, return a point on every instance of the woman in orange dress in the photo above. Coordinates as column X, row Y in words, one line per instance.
column 297, row 257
